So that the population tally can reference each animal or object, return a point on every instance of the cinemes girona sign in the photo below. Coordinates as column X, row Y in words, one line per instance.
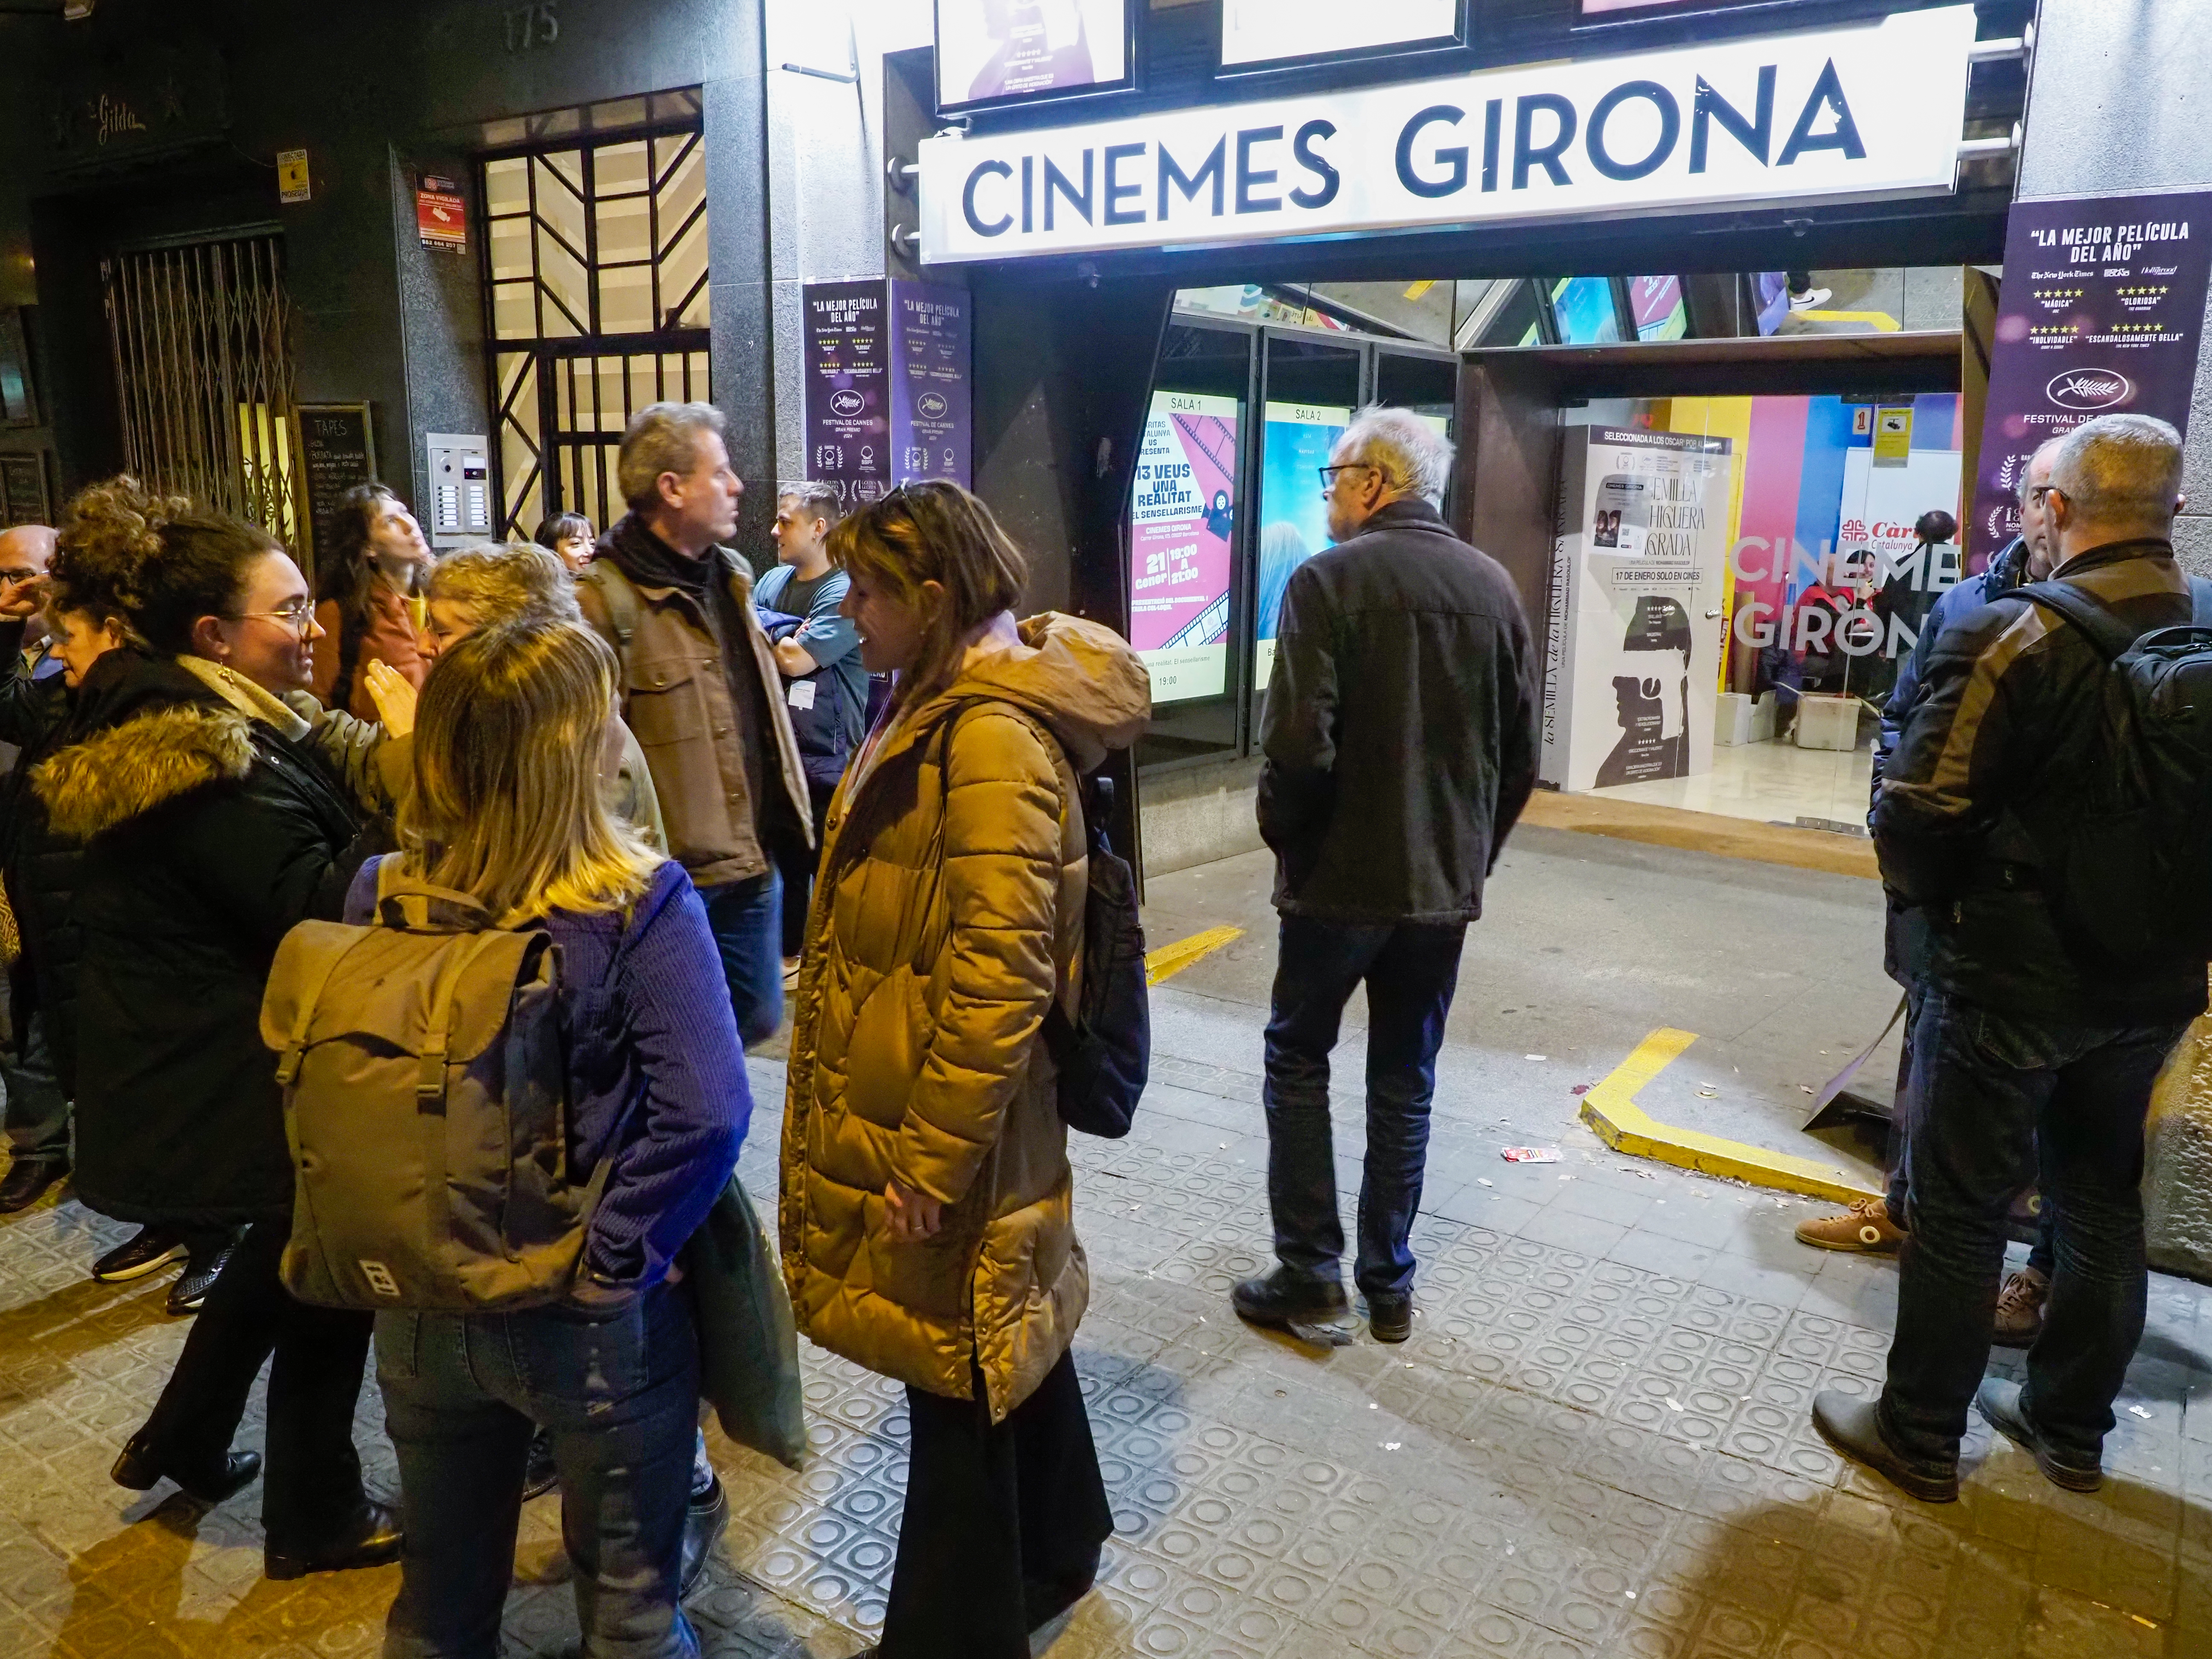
column 1864, row 111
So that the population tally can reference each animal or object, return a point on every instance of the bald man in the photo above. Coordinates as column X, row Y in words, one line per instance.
column 37, row 1116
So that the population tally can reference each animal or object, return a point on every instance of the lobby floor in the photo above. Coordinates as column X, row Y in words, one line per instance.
column 1595, row 1444
column 1773, row 782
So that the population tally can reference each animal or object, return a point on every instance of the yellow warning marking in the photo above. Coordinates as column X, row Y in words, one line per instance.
column 1417, row 290
column 1610, row 1108
column 1880, row 321
column 1173, row 958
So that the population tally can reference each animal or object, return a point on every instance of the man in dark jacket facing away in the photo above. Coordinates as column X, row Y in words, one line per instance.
column 1400, row 737
column 2023, row 1040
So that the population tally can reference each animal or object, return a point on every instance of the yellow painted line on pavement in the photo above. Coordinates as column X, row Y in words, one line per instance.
column 1880, row 321
column 1610, row 1108
column 1171, row 959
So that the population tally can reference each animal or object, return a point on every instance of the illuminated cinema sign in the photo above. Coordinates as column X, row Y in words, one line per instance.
column 1866, row 110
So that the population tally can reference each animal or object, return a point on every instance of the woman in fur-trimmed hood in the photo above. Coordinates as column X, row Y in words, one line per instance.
column 209, row 829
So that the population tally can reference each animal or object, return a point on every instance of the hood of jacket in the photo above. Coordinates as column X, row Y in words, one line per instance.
column 1080, row 677
column 157, row 732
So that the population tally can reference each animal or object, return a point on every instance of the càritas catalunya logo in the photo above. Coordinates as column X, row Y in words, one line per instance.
column 2089, row 389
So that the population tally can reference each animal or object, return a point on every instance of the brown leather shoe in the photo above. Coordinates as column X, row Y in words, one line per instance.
column 1865, row 1227
column 2020, row 1309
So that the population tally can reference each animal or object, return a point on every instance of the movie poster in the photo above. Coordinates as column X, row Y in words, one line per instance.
column 991, row 49
column 2102, row 302
column 1632, row 648
column 1293, row 519
column 1181, row 527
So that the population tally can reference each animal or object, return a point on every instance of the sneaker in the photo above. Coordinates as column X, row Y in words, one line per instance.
column 1285, row 1299
column 791, row 966
column 199, row 1277
column 1998, row 1401
column 27, row 1181
column 1854, row 1428
column 1865, row 1227
column 148, row 1250
column 1811, row 300
column 2020, row 1309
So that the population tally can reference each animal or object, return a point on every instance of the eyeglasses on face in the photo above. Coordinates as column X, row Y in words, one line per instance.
column 295, row 615
column 1329, row 473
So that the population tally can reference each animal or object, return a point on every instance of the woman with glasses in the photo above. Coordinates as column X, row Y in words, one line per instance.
column 210, row 825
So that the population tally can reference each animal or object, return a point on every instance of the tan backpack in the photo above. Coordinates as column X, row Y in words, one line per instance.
column 424, row 1060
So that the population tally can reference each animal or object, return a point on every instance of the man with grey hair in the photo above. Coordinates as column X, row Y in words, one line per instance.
column 1401, row 742
column 2030, row 1034
column 701, row 688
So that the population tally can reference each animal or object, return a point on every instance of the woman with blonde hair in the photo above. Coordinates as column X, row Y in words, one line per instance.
column 927, row 1204
column 514, row 731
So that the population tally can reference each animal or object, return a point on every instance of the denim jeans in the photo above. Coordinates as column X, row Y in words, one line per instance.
column 38, row 1113
column 1992, row 1092
column 1411, row 970
column 620, row 1396
column 746, row 918
column 796, row 864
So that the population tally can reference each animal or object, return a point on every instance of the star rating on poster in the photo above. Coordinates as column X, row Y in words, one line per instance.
column 2059, row 293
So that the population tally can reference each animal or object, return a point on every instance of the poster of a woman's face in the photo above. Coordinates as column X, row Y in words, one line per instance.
column 995, row 49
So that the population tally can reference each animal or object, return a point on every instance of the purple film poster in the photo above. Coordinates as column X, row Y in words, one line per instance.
column 848, row 428
column 2101, row 305
column 931, row 428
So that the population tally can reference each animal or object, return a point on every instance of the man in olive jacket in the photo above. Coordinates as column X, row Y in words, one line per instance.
column 1400, row 743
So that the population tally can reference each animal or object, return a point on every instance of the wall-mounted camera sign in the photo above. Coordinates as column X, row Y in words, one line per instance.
column 991, row 52
column 1264, row 33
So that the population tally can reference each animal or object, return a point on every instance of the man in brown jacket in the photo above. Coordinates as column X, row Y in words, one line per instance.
column 701, row 689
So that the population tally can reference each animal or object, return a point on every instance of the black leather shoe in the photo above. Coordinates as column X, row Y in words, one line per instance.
column 28, row 1180
column 1999, row 1402
column 704, row 1518
column 193, row 1284
column 1391, row 1316
column 1853, row 1428
column 1285, row 1298
column 140, row 1470
column 374, row 1540
column 540, row 1474
column 148, row 1251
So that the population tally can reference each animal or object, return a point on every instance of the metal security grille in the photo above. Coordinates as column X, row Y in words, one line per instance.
column 596, row 256
column 203, row 375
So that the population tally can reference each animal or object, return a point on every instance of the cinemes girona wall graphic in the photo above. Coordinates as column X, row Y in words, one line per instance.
column 1859, row 111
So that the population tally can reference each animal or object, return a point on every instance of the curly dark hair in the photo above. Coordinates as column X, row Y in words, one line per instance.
column 157, row 564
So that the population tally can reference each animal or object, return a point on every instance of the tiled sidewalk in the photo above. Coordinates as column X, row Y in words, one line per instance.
column 1596, row 1444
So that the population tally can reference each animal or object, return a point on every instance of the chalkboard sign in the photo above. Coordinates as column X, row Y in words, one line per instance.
column 23, row 490
column 340, row 447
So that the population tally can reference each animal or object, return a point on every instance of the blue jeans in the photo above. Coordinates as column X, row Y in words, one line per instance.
column 746, row 918
column 1411, row 970
column 1991, row 1091
column 38, row 1113
column 620, row 1396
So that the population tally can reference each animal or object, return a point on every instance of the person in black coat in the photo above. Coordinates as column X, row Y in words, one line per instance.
column 209, row 826
column 1401, row 742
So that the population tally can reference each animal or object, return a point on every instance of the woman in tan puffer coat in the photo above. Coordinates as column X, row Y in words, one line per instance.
column 927, row 1211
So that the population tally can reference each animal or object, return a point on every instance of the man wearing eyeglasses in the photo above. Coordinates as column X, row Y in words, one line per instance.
column 1401, row 742
column 2039, row 1038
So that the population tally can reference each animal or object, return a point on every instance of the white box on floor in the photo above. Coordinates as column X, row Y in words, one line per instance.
column 1764, row 708
column 1732, row 718
column 1828, row 722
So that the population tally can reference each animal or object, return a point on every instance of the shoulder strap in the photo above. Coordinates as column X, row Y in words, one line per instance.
column 2200, row 602
column 622, row 599
column 2110, row 635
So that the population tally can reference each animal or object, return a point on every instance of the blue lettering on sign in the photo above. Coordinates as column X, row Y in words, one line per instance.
column 1454, row 156
column 998, row 226
column 1827, row 94
column 1246, row 176
column 1116, row 192
column 1527, row 153
column 1055, row 180
column 1323, row 191
column 1670, row 128
column 1755, row 135
column 1214, row 166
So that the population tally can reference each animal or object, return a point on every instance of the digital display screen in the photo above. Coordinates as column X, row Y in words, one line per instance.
column 1293, row 517
column 1181, row 518
column 991, row 51
column 1601, row 8
column 1275, row 31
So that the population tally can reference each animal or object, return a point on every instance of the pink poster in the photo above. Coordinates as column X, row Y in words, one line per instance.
column 1182, row 517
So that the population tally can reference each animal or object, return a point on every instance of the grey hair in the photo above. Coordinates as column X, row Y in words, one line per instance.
column 2046, row 452
column 662, row 438
column 2119, row 469
column 817, row 499
column 1413, row 456
column 500, row 582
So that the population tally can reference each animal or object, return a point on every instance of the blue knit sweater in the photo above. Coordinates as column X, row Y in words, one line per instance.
column 657, row 1075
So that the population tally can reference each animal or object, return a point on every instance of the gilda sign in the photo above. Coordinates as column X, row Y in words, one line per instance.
column 1865, row 111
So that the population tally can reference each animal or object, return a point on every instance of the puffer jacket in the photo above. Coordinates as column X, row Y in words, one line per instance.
column 207, row 834
column 948, row 915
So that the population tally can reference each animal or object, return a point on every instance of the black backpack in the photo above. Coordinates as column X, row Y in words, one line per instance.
column 2126, row 853
column 1104, row 1054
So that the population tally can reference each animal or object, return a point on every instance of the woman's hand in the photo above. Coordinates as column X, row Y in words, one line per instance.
column 19, row 600
column 910, row 1216
column 393, row 695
